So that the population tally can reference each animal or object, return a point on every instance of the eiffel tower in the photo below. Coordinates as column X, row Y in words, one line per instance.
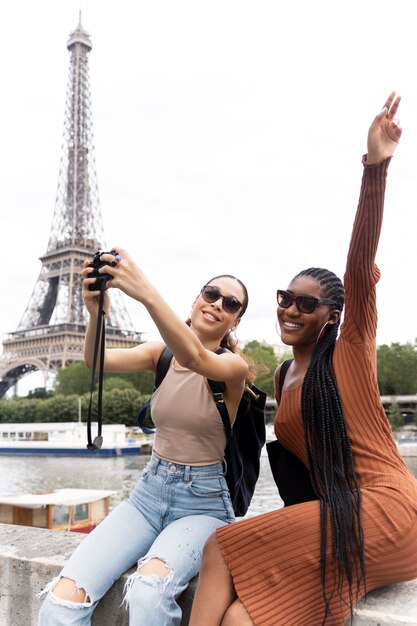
column 51, row 332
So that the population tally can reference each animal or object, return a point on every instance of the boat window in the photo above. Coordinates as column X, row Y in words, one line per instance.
column 61, row 515
column 40, row 436
column 80, row 512
column 5, row 435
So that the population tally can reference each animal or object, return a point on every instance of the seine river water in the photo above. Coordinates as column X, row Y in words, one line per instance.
column 20, row 474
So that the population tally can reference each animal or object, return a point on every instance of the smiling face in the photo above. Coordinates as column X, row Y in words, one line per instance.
column 302, row 329
column 210, row 318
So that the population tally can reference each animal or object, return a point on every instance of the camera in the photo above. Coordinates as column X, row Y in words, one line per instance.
column 97, row 263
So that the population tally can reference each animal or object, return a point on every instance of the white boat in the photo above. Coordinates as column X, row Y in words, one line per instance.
column 61, row 509
column 67, row 438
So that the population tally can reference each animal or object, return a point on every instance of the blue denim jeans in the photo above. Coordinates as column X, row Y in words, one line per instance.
column 169, row 515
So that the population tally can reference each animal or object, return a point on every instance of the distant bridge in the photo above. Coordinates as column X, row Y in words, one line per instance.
column 406, row 404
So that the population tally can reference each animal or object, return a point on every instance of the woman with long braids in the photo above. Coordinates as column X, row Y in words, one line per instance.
column 309, row 564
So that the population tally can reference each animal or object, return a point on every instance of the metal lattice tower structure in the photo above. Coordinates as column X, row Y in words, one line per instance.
column 51, row 332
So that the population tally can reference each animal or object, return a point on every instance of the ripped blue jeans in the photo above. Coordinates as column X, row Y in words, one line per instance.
column 169, row 515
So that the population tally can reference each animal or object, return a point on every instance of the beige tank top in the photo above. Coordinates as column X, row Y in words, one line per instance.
column 189, row 429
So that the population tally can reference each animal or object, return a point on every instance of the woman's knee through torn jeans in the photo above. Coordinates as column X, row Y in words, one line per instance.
column 169, row 516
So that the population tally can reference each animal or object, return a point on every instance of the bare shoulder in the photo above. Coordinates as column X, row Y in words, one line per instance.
column 227, row 367
column 146, row 355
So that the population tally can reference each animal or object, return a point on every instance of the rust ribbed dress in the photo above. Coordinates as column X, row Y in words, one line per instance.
column 274, row 557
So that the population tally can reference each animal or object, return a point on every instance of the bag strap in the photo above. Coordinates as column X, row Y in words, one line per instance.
column 217, row 389
column 282, row 372
column 161, row 369
column 100, row 330
column 162, row 366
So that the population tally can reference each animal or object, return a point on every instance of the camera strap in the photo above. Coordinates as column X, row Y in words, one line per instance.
column 100, row 332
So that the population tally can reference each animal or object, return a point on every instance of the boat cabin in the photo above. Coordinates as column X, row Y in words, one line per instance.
column 61, row 509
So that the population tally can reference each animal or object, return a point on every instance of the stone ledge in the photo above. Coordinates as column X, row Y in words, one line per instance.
column 31, row 557
column 391, row 605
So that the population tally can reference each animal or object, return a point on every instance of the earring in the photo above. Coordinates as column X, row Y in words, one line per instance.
column 321, row 331
column 232, row 340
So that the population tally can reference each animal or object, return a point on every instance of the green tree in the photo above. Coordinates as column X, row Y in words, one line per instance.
column 76, row 379
column 10, row 410
column 60, row 408
column 121, row 406
column 264, row 357
column 39, row 393
column 73, row 379
column 397, row 369
column 116, row 382
column 18, row 410
column 142, row 381
column 394, row 416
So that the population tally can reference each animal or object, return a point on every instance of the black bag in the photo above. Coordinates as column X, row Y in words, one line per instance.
column 244, row 441
column 290, row 474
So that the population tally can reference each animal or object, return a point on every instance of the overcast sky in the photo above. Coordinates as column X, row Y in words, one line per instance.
column 228, row 137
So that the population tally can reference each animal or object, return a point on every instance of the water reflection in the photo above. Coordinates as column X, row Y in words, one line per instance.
column 35, row 474
column 29, row 474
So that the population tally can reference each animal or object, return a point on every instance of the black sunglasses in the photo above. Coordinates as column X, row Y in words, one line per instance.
column 305, row 304
column 229, row 303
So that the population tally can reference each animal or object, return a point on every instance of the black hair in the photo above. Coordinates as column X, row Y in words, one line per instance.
column 330, row 459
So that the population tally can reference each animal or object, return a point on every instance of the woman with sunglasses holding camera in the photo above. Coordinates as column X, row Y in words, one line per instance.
column 182, row 496
column 310, row 563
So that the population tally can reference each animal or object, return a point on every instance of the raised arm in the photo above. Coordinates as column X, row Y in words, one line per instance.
column 184, row 343
column 142, row 357
column 361, row 273
column 384, row 132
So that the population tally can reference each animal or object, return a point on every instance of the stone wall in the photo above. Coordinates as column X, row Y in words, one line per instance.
column 31, row 557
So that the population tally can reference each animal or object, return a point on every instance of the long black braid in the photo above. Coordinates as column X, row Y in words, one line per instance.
column 330, row 459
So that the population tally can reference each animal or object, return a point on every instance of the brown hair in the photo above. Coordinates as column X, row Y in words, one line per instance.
column 233, row 347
